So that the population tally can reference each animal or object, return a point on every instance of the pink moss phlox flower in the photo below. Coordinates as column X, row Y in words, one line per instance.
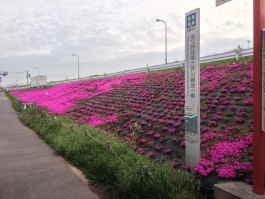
column 226, row 171
column 143, row 140
column 203, row 108
column 155, row 120
column 167, row 151
column 143, row 123
column 213, row 123
column 118, row 130
column 172, row 130
column 96, row 120
column 151, row 154
column 242, row 113
column 233, row 66
column 225, row 102
column 173, row 164
column 204, row 167
column 212, row 106
column 248, row 101
column 216, row 118
column 240, row 119
column 169, row 122
column 180, row 113
column 237, row 98
column 222, row 107
column 157, row 135
column 141, row 150
column 150, row 143
column 158, row 148
column 181, row 133
column 221, row 153
column 183, row 143
column 228, row 129
column 204, row 116
column 63, row 97
column 209, row 68
column 242, row 89
column 168, row 117
column 219, row 113
column 245, row 166
column 149, row 125
column 224, row 90
column 233, row 107
column 203, row 171
column 150, row 133
column 176, row 124
column 176, row 117
column 161, row 121
column 164, row 128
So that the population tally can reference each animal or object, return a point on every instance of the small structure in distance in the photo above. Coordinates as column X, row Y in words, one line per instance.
column 38, row 81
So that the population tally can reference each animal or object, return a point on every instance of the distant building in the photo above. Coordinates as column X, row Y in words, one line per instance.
column 40, row 80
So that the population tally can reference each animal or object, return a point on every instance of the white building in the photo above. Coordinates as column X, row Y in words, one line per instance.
column 40, row 80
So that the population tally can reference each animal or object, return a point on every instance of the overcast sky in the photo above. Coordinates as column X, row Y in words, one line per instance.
column 110, row 35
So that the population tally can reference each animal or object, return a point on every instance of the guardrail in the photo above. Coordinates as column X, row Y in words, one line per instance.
column 14, row 85
column 210, row 58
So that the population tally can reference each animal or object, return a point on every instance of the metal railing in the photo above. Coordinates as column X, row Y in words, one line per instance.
column 210, row 58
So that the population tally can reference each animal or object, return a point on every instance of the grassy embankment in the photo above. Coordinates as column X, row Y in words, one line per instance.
column 128, row 179
column 215, row 63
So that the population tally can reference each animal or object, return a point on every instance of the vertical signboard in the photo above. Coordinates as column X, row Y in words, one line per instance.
column 263, row 80
column 192, row 87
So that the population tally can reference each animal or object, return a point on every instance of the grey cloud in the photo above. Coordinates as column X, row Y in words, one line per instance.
column 107, row 35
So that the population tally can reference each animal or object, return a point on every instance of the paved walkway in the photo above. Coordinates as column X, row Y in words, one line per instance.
column 28, row 166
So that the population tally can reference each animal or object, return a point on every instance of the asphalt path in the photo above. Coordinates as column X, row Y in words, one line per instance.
column 29, row 168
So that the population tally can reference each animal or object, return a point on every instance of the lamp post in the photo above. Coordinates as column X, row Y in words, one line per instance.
column 78, row 64
column 38, row 75
column 248, row 43
column 165, row 37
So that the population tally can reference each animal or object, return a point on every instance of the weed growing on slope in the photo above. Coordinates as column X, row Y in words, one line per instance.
column 14, row 101
column 125, row 174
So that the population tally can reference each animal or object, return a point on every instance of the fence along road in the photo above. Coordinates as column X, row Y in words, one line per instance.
column 29, row 168
column 217, row 57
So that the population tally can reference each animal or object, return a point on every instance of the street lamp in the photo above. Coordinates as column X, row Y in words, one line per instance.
column 165, row 37
column 248, row 43
column 78, row 64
